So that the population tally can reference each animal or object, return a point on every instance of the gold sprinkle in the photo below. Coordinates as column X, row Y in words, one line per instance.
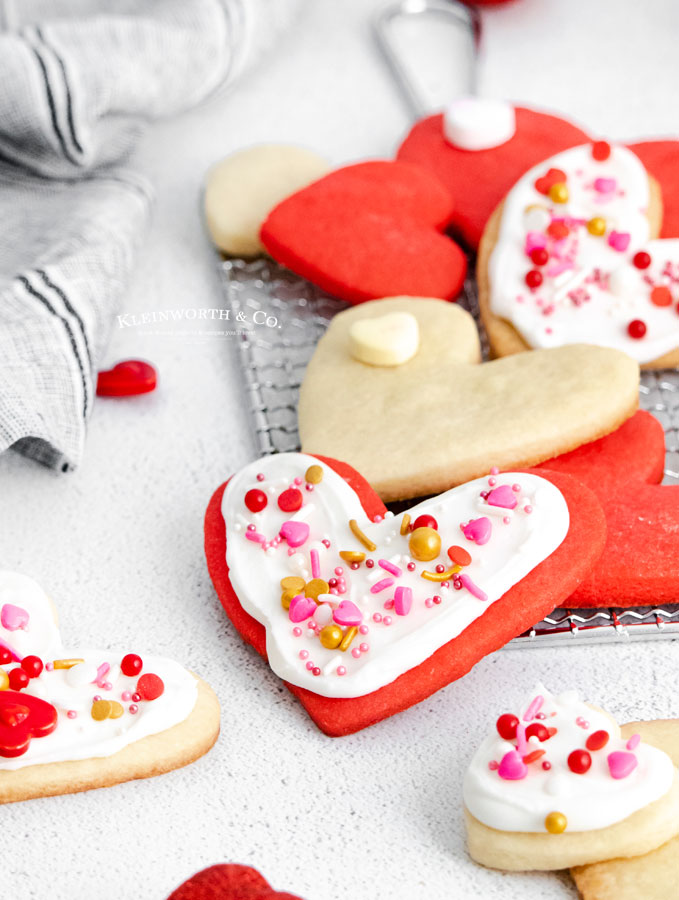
column 352, row 556
column 66, row 663
column 314, row 474
column 349, row 635
column 405, row 523
column 292, row 583
column 357, row 533
column 101, row 709
column 116, row 709
column 4, row 680
column 315, row 587
column 441, row 576
column 286, row 597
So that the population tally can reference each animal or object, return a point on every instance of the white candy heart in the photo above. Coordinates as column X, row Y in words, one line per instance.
column 388, row 340
column 388, row 641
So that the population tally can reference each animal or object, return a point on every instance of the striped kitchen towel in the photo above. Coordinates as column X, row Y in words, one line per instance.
column 79, row 81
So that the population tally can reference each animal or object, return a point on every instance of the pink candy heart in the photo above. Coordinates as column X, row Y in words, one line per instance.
column 301, row 608
column 512, row 767
column 502, row 496
column 605, row 185
column 621, row 764
column 619, row 240
column 295, row 533
column 13, row 617
column 478, row 530
column 347, row 613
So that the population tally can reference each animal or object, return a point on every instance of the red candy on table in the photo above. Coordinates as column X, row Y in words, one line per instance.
column 256, row 500
column 131, row 664
column 150, row 686
column 506, row 726
column 23, row 717
column 579, row 761
column 126, row 379
column 290, row 500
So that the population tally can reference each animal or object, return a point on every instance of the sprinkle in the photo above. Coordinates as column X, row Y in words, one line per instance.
column 314, row 474
column 352, row 556
column 403, row 601
column 315, row 564
column 473, row 589
column 356, row 531
column 381, row 585
column 441, row 576
column 341, row 670
column 349, row 635
column 534, row 708
column 255, row 536
column 390, row 567
column 405, row 523
column 634, row 742
column 67, row 663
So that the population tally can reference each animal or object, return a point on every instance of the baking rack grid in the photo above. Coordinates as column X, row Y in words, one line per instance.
column 273, row 360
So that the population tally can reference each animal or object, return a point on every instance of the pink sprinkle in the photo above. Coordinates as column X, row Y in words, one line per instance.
column 107, row 686
column 255, row 536
column 260, row 476
column 341, row 670
column 363, row 629
column 403, row 600
column 298, row 480
column 534, row 708
column 303, row 654
column 493, row 765
column 364, row 648
column 72, row 714
column 429, row 603
column 506, row 520
column 546, row 765
column 377, row 519
column 136, row 697
column 315, row 564
column 369, row 563
column 381, row 585
column 634, row 742
column 126, row 695
column 339, row 570
column 326, row 543
column 437, row 599
column 251, row 527
column 49, row 666
column 605, row 185
column 133, row 709
column 388, row 604
column 521, row 742
column 390, row 567
column 473, row 589
column 309, row 487
column 97, row 697
column 377, row 617
column 528, row 510
column 503, row 497
column 356, row 653
column 411, row 567
column 494, row 470
column 619, row 240
column 516, row 488
column 309, row 666
column 387, row 620
column 492, row 482
column 297, row 631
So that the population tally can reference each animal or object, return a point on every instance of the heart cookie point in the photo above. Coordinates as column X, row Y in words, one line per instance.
column 387, row 340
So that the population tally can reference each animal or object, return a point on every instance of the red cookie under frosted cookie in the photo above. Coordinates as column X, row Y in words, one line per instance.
column 661, row 159
column 479, row 179
column 640, row 562
column 528, row 601
column 369, row 230
column 228, row 881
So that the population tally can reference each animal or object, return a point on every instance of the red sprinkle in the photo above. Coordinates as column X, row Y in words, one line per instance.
column 459, row 555
column 506, row 726
column 533, row 279
column 425, row 521
column 18, row 679
column 539, row 256
column 290, row 500
column 601, row 150
column 256, row 500
column 642, row 260
column 636, row 329
column 131, row 664
column 661, row 296
column 534, row 756
column 5, row 656
column 597, row 740
column 579, row 761
column 150, row 686
column 558, row 230
column 32, row 666
column 538, row 730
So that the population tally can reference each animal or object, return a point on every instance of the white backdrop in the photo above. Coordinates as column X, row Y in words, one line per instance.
column 119, row 543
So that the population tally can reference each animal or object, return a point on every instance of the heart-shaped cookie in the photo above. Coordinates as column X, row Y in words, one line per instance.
column 369, row 230
column 423, row 620
column 71, row 721
column 555, row 784
column 228, row 881
column 126, row 379
column 479, row 179
column 580, row 261
column 441, row 419
column 642, row 516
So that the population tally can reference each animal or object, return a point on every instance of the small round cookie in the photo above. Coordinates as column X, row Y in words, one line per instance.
column 243, row 188
column 572, row 255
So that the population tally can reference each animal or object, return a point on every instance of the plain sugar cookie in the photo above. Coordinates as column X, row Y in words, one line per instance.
column 242, row 189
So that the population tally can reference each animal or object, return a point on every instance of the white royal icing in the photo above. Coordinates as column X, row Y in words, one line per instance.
column 591, row 291
column 589, row 801
column 513, row 550
column 82, row 737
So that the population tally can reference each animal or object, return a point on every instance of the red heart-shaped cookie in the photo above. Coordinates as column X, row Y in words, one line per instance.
column 640, row 562
column 546, row 586
column 479, row 180
column 369, row 230
column 127, row 378
column 228, row 881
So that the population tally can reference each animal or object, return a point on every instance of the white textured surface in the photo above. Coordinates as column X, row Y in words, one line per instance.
column 119, row 543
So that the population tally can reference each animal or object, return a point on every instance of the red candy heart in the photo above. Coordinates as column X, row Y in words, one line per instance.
column 23, row 717
column 550, row 178
column 228, row 882
column 369, row 230
column 132, row 376
column 528, row 601
column 478, row 180
column 640, row 562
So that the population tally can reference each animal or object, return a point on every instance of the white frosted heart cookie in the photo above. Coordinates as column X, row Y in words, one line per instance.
column 242, row 189
column 557, row 785
column 443, row 418
column 571, row 255
column 71, row 720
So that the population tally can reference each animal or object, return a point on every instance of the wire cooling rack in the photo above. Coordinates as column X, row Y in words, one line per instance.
column 273, row 361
